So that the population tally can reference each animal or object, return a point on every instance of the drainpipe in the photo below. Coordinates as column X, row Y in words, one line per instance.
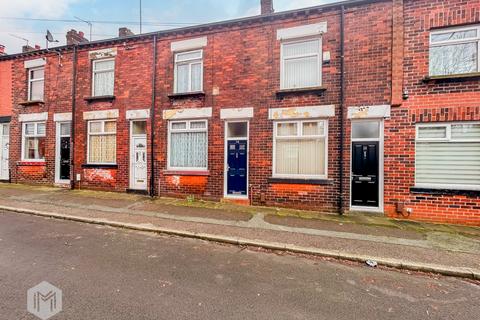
column 342, row 104
column 72, row 127
column 152, row 118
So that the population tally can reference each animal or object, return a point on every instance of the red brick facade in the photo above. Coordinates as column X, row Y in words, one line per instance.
column 386, row 50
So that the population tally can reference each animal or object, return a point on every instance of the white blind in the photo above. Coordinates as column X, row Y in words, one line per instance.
column 301, row 64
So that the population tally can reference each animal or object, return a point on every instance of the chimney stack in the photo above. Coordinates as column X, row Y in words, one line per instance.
column 2, row 50
column 124, row 32
column 74, row 37
column 27, row 48
column 266, row 6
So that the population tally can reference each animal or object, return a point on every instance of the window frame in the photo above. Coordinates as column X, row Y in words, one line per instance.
column 319, row 61
column 94, row 72
column 102, row 133
column 34, row 135
column 189, row 62
column 30, row 81
column 448, row 138
column 187, row 129
column 454, row 42
column 299, row 136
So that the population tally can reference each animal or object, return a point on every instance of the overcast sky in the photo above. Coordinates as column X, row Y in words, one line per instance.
column 154, row 12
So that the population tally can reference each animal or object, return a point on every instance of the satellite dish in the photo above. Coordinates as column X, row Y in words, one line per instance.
column 50, row 37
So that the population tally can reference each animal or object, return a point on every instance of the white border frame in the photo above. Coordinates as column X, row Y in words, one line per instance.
column 32, row 136
column 225, row 159
column 170, row 123
column 381, row 165
column 299, row 130
column 189, row 62
column 131, row 149
column 454, row 42
column 30, row 81
column 319, row 61
column 58, row 136
column 100, row 134
column 102, row 71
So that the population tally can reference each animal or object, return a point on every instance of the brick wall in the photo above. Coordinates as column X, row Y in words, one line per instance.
column 5, row 88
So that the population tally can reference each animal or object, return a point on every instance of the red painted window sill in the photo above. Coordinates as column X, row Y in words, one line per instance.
column 186, row 173
column 31, row 163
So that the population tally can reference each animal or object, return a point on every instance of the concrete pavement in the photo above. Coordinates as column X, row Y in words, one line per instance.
column 109, row 273
column 452, row 250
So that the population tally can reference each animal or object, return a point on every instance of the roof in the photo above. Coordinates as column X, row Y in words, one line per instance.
column 197, row 28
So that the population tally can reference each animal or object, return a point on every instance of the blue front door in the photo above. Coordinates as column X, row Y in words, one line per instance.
column 237, row 167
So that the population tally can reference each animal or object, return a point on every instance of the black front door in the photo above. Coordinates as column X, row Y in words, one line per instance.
column 65, row 158
column 237, row 167
column 365, row 161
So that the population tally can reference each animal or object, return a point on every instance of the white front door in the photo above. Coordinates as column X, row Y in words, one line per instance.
column 138, row 156
column 4, row 152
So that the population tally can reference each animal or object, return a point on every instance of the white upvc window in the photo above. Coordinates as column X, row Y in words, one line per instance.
column 33, row 141
column 300, row 149
column 103, row 77
column 36, row 82
column 188, row 145
column 448, row 156
column 102, row 142
column 301, row 64
column 189, row 71
column 455, row 51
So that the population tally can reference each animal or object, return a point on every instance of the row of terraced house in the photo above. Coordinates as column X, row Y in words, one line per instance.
column 359, row 105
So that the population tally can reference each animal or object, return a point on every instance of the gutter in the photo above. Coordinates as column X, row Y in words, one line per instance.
column 152, row 118
column 342, row 105
column 72, row 129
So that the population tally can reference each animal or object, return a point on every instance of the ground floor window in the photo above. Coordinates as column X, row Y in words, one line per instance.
column 187, row 145
column 33, row 141
column 300, row 149
column 102, row 142
column 448, row 156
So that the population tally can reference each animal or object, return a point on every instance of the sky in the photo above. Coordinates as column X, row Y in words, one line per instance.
column 157, row 15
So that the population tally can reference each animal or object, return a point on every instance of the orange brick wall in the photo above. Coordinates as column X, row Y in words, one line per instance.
column 5, row 88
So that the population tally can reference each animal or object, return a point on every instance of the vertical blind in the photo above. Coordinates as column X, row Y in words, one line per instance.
column 448, row 155
column 301, row 64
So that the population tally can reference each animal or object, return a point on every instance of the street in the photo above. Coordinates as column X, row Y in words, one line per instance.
column 108, row 273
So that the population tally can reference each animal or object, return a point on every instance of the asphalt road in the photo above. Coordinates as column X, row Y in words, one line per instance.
column 108, row 273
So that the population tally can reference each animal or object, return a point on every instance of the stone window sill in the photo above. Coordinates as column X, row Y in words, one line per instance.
column 300, row 91
column 31, row 103
column 186, row 173
column 446, row 192
column 184, row 95
column 99, row 98
column 31, row 163
column 99, row 166
column 453, row 77
column 300, row 181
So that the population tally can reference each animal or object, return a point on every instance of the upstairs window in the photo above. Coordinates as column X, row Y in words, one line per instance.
column 301, row 64
column 36, row 81
column 448, row 156
column 189, row 71
column 455, row 51
column 102, row 142
column 33, row 141
column 103, row 77
column 188, row 145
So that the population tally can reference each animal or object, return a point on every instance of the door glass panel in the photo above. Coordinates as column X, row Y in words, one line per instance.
column 139, row 127
column 65, row 129
column 237, row 130
column 365, row 130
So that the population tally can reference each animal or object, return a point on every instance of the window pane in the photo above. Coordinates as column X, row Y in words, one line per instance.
column 179, row 125
column 95, row 127
column 301, row 72
column 237, row 130
column 182, row 78
column 301, row 48
column 65, row 129
column 139, row 127
column 365, row 130
column 104, row 82
column 198, row 125
column 188, row 150
column 454, row 59
column 104, row 65
column 102, row 149
column 34, row 148
column 37, row 74
column 189, row 55
column 466, row 131
column 457, row 35
column 5, row 129
column 286, row 129
column 36, row 90
column 197, row 77
column 29, row 128
column 111, row 126
column 41, row 129
column 432, row 132
column 300, row 157
column 313, row 128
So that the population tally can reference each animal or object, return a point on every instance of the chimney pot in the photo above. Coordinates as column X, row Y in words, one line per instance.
column 266, row 6
column 124, row 32
column 37, row 47
column 2, row 50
